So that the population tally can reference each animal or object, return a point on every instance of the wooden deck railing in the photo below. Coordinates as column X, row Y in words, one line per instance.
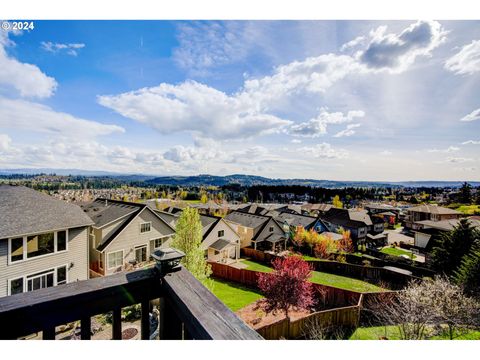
column 187, row 309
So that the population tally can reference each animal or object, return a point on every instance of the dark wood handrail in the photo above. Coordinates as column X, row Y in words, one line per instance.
column 203, row 314
column 189, row 309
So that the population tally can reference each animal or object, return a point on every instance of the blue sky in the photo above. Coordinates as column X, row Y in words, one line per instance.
column 340, row 100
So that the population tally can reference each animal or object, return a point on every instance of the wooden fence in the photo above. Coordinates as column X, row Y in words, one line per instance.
column 343, row 307
column 376, row 275
column 329, row 296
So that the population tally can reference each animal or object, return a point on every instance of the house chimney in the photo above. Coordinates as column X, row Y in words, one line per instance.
column 106, row 202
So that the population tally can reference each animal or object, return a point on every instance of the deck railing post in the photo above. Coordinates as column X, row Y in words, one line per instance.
column 85, row 328
column 145, row 322
column 117, row 324
column 170, row 325
column 48, row 333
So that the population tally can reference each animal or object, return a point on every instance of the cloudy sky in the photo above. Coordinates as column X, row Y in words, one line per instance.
column 339, row 100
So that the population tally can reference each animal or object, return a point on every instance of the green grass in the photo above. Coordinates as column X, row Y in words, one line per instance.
column 323, row 278
column 392, row 333
column 468, row 209
column 397, row 252
column 234, row 295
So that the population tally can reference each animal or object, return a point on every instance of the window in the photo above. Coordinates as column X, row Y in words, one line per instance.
column 61, row 240
column 115, row 259
column 61, row 275
column 16, row 249
column 221, row 233
column 40, row 281
column 42, row 244
column 16, row 286
column 141, row 253
column 28, row 247
column 270, row 229
column 145, row 227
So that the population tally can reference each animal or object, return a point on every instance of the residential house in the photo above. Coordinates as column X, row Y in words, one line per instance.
column 43, row 241
column 358, row 222
column 258, row 231
column 220, row 241
column 427, row 230
column 429, row 212
column 123, row 235
column 293, row 221
column 315, row 209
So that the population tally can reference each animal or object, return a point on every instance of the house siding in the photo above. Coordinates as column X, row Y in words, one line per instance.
column 229, row 235
column 131, row 237
column 77, row 254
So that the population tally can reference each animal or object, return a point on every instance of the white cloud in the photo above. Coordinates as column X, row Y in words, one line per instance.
column 474, row 115
column 318, row 126
column 70, row 49
column 27, row 79
column 206, row 45
column 386, row 152
column 360, row 40
column 396, row 53
column 26, row 115
column 5, row 142
column 349, row 131
column 450, row 149
column 457, row 159
column 471, row 142
column 466, row 61
column 324, row 151
column 194, row 107
column 296, row 141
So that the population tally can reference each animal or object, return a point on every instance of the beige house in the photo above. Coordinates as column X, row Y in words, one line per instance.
column 220, row 242
column 417, row 215
column 123, row 235
column 258, row 231
column 43, row 241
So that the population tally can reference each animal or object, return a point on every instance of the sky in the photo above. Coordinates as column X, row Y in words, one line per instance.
column 336, row 100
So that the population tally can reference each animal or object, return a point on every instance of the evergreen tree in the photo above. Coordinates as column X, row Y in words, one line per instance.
column 465, row 196
column 452, row 246
column 468, row 274
column 188, row 238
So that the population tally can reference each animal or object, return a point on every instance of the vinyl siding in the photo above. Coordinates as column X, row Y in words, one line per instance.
column 131, row 237
column 230, row 235
column 265, row 231
column 77, row 254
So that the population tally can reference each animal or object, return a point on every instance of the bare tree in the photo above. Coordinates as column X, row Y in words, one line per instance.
column 427, row 308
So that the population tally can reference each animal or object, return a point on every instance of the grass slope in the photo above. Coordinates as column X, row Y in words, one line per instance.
column 397, row 252
column 234, row 295
column 323, row 278
column 392, row 333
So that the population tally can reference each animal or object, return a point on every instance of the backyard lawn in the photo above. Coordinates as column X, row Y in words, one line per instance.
column 392, row 333
column 397, row 252
column 323, row 278
column 468, row 209
column 234, row 295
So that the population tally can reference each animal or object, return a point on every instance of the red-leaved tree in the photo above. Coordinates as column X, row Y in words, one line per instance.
column 287, row 287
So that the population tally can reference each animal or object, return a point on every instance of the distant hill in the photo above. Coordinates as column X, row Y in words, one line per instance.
column 249, row 180
column 244, row 180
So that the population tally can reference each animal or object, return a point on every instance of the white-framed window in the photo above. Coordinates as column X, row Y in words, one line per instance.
column 40, row 280
column 141, row 253
column 115, row 259
column 34, row 246
column 221, row 233
column 156, row 243
column 145, row 227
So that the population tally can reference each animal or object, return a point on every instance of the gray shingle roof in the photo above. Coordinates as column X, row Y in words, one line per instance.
column 26, row 211
column 103, row 211
column 347, row 218
column 245, row 219
column 220, row 244
column 296, row 219
column 434, row 209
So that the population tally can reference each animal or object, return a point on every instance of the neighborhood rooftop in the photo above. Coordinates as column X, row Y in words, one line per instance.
column 434, row 209
column 21, row 206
